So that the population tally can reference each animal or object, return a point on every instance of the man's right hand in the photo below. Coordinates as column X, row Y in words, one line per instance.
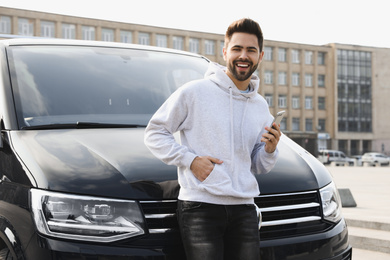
column 202, row 166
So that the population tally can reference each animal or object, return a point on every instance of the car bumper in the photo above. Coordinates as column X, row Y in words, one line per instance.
column 331, row 245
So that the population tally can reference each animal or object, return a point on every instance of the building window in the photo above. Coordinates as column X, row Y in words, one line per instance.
column 126, row 36
column 282, row 78
column 161, row 40
column 295, row 102
column 295, row 56
column 295, row 79
column 268, row 53
column 308, row 80
column 268, row 77
column 194, row 45
column 282, row 55
column 321, row 58
column 309, row 102
column 321, row 125
column 143, row 38
column 68, row 31
column 88, row 33
column 209, row 47
column 107, row 35
column 222, row 45
column 309, row 124
column 178, row 43
column 321, row 80
column 354, row 87
column 47, row 29
column 296, row 124
column 270, row 99
column 309, row 57
column 283, row 124
column 282, row 101
column 321, row 103
column 25, row 27
column 5, row 24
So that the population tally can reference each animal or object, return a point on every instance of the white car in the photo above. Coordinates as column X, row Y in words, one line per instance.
column 336, row 157
column 375, row 158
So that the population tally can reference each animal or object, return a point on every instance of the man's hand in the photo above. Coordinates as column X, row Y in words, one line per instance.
column 202, row 166
column 271, row 138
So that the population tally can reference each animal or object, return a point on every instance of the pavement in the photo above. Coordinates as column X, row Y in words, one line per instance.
column 369, row 220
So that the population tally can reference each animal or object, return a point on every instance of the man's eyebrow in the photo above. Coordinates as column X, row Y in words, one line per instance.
column 242, row 47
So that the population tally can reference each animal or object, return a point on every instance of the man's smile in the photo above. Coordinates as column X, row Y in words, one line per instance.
column 242, row 66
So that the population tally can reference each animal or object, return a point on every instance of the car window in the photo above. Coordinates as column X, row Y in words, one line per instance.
column 67, row 84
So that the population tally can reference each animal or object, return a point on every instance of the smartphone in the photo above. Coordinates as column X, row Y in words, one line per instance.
column 278, row 118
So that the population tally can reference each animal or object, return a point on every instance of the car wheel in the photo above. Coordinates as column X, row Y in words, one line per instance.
column 5, row 254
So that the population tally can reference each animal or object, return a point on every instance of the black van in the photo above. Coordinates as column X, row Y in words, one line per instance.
column 77, row 181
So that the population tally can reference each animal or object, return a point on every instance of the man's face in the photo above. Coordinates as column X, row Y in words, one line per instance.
column 242, row 55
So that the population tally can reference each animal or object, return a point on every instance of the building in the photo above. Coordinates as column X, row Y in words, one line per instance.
column 335, row 95
column 297, row 78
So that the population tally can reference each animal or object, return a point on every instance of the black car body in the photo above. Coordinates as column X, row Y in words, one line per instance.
column 77, row 181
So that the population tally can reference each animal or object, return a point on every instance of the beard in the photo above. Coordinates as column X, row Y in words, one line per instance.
column 242, row 76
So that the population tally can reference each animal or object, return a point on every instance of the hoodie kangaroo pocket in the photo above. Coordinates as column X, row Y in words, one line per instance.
column 217, row 182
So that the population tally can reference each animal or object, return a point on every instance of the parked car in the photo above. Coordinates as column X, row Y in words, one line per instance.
column 77, row 181
column 374, row 159
column 337, row 157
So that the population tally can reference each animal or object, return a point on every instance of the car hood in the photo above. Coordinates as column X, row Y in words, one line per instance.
column 116, row 163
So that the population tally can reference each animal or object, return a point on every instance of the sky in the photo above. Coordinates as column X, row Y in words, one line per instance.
column 314, row 22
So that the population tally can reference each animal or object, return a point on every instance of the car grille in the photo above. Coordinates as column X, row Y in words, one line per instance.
column 284, row 215
column 293, row 214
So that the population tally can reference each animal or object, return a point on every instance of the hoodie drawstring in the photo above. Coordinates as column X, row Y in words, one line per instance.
column 231, row 128
column 242, row 121
column 232, row 125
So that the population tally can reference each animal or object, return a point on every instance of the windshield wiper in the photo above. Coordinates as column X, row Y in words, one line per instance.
column 80, row 125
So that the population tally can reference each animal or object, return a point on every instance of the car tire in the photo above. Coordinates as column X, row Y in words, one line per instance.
column 5, row 254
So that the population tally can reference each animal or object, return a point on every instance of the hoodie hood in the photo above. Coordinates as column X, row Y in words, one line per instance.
column 217, row 74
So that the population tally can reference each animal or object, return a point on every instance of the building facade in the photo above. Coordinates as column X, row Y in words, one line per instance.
column 335, row 96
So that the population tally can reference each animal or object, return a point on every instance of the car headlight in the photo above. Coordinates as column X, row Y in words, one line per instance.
column 85, row 218
column 331, row 203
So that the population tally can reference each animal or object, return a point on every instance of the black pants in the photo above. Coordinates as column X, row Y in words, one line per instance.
column 219, row 232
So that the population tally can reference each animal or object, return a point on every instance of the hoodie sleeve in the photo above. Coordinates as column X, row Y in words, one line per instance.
column 263, row 162
column 169, row 118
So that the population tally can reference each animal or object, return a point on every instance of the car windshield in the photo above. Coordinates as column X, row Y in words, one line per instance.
column 64, row 85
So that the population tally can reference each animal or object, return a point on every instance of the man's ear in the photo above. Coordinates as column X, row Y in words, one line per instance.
column 224, row 53
column 261, row 56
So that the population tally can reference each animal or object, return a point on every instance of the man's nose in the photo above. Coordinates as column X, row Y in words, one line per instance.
column 244, row 54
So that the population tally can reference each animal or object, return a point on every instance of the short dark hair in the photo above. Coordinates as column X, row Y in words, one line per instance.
column 245, row 25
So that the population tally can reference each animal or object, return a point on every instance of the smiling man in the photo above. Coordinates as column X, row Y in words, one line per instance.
column 225, row 140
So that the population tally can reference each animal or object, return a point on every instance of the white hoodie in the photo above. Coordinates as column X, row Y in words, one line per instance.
column 214, row 119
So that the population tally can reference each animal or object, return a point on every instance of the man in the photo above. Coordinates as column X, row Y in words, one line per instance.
column 225, row 140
